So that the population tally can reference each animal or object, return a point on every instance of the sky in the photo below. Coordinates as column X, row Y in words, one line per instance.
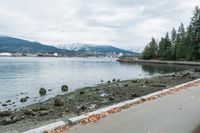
column 128, row 24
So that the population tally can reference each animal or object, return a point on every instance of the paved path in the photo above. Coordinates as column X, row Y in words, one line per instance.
column 176, row 113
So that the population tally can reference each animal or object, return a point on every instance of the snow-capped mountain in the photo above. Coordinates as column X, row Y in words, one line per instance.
column 90, row 48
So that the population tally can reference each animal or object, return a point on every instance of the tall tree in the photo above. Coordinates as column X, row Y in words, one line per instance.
column 195, row 34
column 151, row 50
column 180, row 46
column 165, row 48
column 173, row 36
column 173, row 41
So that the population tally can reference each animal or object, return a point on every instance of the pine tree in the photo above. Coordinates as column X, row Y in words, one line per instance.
column 151, row 50
column 195, row 34
column 180, row 45
column 173, row 41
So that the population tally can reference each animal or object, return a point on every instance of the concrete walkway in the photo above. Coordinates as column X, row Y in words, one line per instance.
column 176, row 113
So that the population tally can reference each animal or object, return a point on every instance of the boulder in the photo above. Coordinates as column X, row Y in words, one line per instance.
column 16, row 119
column 43, row 112
column 83, row 107
column 42, row 91
column 8, row 101
column 4, row 104
column 59, row 102
column 29, row 112
column 6, row 121
column 5, row 113
column 23, row 100
column 82, row 92
column 64, row 88
column 134, row 95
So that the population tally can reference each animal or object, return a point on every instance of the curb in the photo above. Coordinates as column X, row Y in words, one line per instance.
column 76, row 119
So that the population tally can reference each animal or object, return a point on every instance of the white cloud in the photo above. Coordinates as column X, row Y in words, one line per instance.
column 124, row 23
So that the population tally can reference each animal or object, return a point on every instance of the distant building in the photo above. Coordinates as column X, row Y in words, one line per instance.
column 5, row 54
column 120, row 54
column 49, row 54
column 55, row 54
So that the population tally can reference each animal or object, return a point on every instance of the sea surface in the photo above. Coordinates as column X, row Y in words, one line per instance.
column 24, row 76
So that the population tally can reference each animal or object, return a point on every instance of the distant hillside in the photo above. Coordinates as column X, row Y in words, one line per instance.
column 86, row 48
column 11, row 44
column 15, row 45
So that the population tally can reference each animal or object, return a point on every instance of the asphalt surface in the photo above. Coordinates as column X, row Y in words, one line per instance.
column 175, row 113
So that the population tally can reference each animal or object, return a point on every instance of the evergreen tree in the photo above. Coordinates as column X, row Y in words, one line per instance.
column 195, row 34
column 151, row 50
column 173, row 41
column 173, row 36
column 180, row 45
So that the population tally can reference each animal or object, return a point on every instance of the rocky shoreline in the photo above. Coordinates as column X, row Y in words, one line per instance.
column 88, row 99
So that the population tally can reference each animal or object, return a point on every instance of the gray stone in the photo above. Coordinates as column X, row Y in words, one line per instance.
column 6, row 121
column 5, row 113
column 42, row 91
column 59, row 102
column 43, row 112
column 64, row 88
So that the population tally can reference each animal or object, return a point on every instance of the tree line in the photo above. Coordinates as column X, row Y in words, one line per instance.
column 182, row 44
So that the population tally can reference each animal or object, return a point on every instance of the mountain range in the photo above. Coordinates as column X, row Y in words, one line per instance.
column 92, row 48
column 16, row 45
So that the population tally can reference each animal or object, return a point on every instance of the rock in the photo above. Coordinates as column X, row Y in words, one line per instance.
column 111, row 98
column 64, row 88
column 83, row 107
column 82, row 92
column 27, row 97
column 159, row 85
column 44, row 107
column 16, row 119
column 197, row 70
column 42, row 91
column 109, row 81
column 67, row 109
column 92, row 106
column 49, row 89
column 6, row 121
column 134, row 95
column 4, row 104
column 126, row 85
column 59, row 102
column 134, row 81
column 29, row 112
column 8, row 101
column 23, row 100
column 114, row 80
column 43, row 112
column 193, row 76
column 5, row 113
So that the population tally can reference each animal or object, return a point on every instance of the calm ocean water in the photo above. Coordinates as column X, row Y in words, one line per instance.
column 26, row 75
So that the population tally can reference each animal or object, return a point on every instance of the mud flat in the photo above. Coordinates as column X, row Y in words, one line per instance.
column 88, row 99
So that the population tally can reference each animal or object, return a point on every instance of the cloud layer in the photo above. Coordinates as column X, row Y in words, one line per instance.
column 123, row 23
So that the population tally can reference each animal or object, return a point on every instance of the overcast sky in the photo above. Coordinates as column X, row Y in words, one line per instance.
column 123, row 23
